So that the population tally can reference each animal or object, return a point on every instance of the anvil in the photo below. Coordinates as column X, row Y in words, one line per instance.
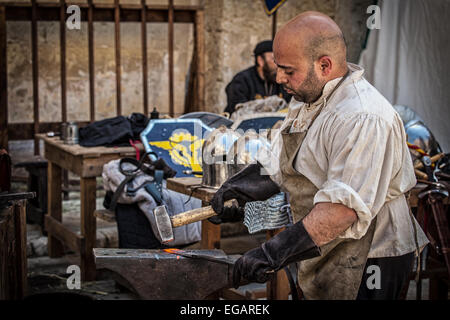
column 155, row 274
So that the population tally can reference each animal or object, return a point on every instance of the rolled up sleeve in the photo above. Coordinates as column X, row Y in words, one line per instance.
column 361, row 151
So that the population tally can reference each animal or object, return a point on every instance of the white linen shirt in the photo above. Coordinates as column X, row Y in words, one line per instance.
column 356, row 154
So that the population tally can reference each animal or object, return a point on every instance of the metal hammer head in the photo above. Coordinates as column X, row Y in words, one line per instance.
column 163, row 223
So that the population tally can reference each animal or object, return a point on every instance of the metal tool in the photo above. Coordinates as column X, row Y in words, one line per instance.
column 195, row 255
column 166, row 223
column 155, row 274
column 6, row 197
column 190, row 172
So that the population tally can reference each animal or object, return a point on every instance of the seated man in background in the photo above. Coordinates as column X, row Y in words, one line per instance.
column 256, row 82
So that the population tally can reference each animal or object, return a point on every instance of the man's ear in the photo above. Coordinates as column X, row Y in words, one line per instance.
column 260, row 61
column 325, row 65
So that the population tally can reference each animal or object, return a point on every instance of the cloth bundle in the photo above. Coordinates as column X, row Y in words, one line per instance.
column 272, row 213
column 174, row 201
column 113, row 132
column 269, row 104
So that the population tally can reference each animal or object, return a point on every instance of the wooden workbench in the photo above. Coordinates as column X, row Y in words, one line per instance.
column 278, row 288
column 87, row 163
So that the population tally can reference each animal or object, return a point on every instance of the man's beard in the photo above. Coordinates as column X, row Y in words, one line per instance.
column 269, row 75
column 311, row 88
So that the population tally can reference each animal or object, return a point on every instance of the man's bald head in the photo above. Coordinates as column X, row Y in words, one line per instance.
column 313, row 45
column 316, row 35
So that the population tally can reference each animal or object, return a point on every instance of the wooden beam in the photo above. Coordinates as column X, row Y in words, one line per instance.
column 59, row 231
column 88, row 227
column 117, row 55
column 210, row 235
column 232, row 294
column 55, row 246
column 62, row 50
column 102, row 12
column 144, row 56
column 20, row 223
column 35, row 12
column 3, row 82
column 35, row 69
column 13, row 251
column 62, row 46
column 171, row 100
column 200, row 48
column 91, row 61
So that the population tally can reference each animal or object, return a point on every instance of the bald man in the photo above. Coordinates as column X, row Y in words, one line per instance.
column 342, row 157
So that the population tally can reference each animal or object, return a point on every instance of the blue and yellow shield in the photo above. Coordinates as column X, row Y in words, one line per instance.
column 178, row 141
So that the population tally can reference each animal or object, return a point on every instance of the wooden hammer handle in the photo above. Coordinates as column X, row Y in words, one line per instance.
column 420, row 174
column 195, row 215
column 433, row 159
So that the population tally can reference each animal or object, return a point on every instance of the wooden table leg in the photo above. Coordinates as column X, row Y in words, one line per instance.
column 88, row 227
column 278, row 288
column 210, row 233
column 55, row 247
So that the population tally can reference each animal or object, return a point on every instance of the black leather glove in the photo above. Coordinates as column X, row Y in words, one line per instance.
column 291, row 245
column 246, row 185
column 229, row 214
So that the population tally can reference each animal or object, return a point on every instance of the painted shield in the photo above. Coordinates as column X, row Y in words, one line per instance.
column 210, row 119
column 178, row 141
column 260, row 122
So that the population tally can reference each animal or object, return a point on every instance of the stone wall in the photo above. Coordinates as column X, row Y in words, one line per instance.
column 232, row 29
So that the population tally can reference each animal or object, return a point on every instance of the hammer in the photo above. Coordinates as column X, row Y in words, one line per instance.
column 165, row 223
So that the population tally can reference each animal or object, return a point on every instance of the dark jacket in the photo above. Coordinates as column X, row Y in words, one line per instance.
column 247, row 85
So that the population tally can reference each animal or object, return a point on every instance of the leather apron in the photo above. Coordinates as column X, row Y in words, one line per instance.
column 337, row 272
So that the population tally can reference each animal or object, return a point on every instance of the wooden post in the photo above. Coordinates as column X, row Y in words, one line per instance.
column 35, row 66
column 62, row 46
column 171, row 100
column 144, row 56
column 21, row 246
column 3, row 82
column 210, row 233
column 200, row 46
column 55, row 247
column 278, row 288
column 117, row 51
column 91, row 61
column 13, row 251
column 88, row 227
